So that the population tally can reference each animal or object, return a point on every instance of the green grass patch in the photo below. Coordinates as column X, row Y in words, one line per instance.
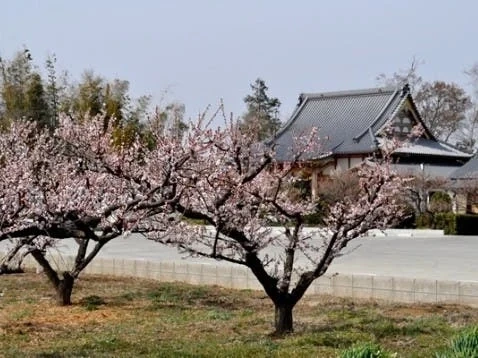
column 463, row 345
column 93, row 302
column 367, row 350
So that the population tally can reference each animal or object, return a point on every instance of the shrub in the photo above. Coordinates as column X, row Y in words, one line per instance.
column 367, row 350
column 424, row 221
column 439, row 221
column 445, row 222
column 315, row 219
column 318, row 216
column 440, row 202
column 409, row 220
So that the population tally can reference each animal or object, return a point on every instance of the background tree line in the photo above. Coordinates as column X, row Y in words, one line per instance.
column 41, row 94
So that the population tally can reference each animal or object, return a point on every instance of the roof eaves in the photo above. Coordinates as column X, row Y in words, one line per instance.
column 452, row 147
column 362, row 151
column 419, row 154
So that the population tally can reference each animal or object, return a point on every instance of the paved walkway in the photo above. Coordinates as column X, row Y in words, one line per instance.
column 443, row 258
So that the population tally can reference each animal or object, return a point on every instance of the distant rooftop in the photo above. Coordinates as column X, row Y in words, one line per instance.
column 349, row 121
column 424, row 146
column 467, row 171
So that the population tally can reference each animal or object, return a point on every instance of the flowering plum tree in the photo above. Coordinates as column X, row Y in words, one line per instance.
column 80, row 183
column 240, row 189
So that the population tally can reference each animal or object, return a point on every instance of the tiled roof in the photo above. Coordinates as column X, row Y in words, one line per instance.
column 342, row 118
column 424, row 146
column 348, row 122
column 467, row 171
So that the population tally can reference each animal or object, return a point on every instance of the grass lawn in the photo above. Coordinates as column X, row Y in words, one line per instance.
column 116, row 317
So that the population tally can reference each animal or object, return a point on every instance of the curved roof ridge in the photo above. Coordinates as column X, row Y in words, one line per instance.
column 357, row 92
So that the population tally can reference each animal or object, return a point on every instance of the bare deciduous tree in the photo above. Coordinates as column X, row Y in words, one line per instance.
column 408, row 76
column 468, row 132
column 442, row 107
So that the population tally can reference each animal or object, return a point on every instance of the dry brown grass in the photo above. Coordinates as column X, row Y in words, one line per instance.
column 145, row 318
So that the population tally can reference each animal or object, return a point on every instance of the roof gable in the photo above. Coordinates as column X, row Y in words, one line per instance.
column 405, row 110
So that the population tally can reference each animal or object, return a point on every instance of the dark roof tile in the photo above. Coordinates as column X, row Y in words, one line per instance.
column 340, row 117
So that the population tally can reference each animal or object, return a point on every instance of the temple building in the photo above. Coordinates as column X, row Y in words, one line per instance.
column 351, row 127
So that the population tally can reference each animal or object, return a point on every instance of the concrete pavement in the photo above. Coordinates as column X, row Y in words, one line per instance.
column 438, row 257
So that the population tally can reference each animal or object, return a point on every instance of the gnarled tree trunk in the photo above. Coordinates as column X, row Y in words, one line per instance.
column 284, row 322
column 64, row 288
column 284, row 302
column 63, row 284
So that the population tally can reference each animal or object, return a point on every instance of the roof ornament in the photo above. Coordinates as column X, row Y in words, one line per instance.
column 405, row 90
column 375, row 142
column 301, row 99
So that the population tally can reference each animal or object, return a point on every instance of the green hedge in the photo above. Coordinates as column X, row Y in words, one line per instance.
column 446, row 222
column 316, row 219
column 424, row 221
column 451, row 224
column 439, row 221
column 466, row 224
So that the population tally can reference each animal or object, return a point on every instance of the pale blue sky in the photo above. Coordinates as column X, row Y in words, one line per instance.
column 205, row 50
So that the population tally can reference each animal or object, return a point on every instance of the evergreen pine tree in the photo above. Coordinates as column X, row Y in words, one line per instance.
column 262, row 111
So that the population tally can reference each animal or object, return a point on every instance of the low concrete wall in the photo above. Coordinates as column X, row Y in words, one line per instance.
column 393, row 289
column 406, row 233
